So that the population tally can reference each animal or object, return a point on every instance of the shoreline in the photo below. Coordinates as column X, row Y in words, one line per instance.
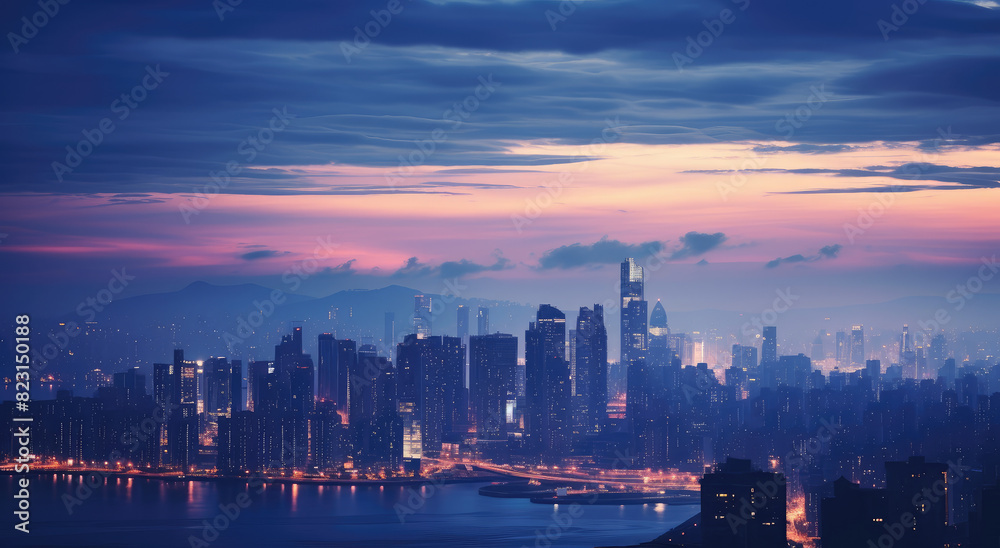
column 392, row 482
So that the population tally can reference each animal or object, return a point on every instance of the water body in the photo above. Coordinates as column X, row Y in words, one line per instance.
column 149, row 513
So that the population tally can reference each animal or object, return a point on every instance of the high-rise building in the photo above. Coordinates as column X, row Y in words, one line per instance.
column 131, row 384
column 904, row 481
column 327, row 382
column 376, row 430
column 295, row 375
column 818, row 353
column 725, row 521
column 843, row 350
column 236, row 397
column 633, row 312
column 905, row 342
column 430, row 382
column 389, row 335
column 337, row 359
column 746, row 372
column 634, row 331
column 185, row 389
column 422, row 315
column 218, row 387
column 853, row 517
column 660, row 353
column 858, row 345
column 163, row 384
column 769, row 346
column 873, row 370
column 591, row 353
column 492, row 367
column 328, row 438
column 547, row 384
column 462, row 322
column 258, row 385
column 483, row 321
column 240, row 443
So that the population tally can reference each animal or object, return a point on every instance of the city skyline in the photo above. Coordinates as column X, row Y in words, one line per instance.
column 500, row 273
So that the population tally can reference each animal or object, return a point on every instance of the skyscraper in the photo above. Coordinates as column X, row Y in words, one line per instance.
column 905, row 343
column 218, row 384
column 905, row 480
column 328, row 382
column 843, row 350
column 817, row 353
column 236, row 397
column 462, row 322
column 337, row 359
column 483, row 321
column 633, row 312
column 724, row 491
column 858, row 345
column 295, row 375
column 769, row 347
column 389, row 335
column 547, row 384
column 430, row 382
column 660, row 353
column 422, row 315
column 591, row 352
column 492, row 367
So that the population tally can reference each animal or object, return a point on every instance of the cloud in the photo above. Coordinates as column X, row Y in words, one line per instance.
column 830, row 251
column 341, row 268
column 458, row 269
column 602, row 252
column 804, row 149
column 697, row 243
column 611, row 59
column 797, row 258
column 825, row 252
column 957, row 178
column 413, row 268
column 260, row 254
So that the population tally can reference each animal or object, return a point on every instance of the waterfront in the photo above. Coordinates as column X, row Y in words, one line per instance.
column 125, row 512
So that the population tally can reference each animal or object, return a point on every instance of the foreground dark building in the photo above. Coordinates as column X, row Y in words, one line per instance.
column 742, row 507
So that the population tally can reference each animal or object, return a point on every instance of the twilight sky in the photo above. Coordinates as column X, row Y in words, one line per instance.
column 521, row 147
